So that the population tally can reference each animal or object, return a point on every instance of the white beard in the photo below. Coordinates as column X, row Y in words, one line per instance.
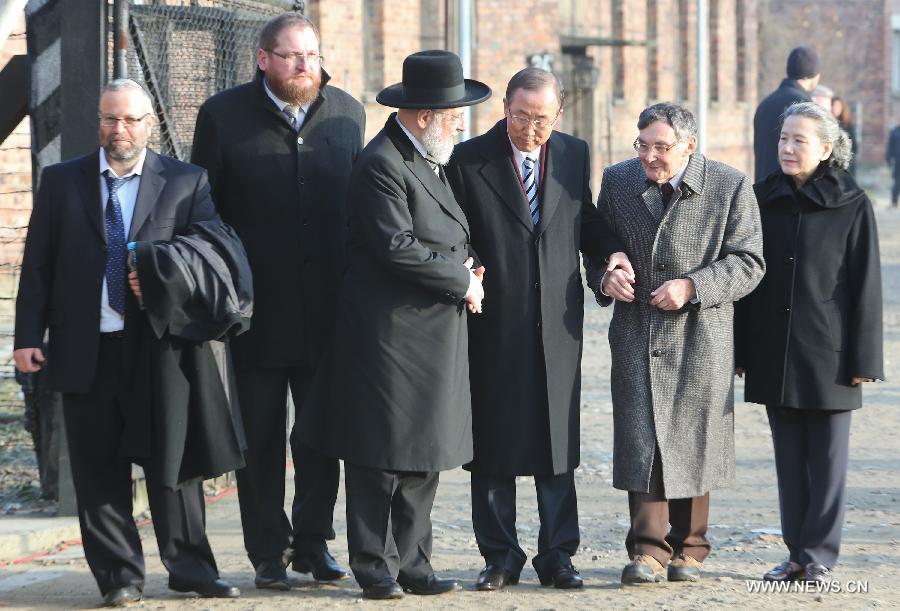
column 438, row 150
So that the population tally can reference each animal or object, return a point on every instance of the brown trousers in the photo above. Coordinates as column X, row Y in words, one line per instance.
column 652, row 515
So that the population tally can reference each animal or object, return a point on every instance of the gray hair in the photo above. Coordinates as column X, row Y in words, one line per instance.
column 677, row 117
column 121, row 84
column 535, row 79
column 828, row 131
column 822, row 91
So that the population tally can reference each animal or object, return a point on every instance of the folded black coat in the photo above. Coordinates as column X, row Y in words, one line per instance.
column 183, row 413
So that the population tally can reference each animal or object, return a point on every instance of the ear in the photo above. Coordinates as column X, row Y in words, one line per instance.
column 422, row 118
column 505, row 107
column 827, row 149
column 691, row 144
column 262, row 59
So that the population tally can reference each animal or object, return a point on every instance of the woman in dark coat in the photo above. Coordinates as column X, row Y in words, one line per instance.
column 811, row 332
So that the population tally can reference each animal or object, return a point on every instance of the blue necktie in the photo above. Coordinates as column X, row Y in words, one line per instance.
column 293, row 114
column 530, row 183
column 116, row 250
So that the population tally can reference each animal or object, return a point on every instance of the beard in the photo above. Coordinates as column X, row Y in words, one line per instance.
column 296, row 90
column 122, row 151
column 439, row 149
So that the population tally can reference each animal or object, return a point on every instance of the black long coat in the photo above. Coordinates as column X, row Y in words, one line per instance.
column 395, row 394
column 287, row 202
column 814, row 321
column 767, row 125
column 525, row 349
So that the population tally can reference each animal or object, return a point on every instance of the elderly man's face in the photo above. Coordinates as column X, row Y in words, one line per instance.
column 295, row 80
column 126, row 121
column 523, row 110
column 440, row 133
column 664, row 153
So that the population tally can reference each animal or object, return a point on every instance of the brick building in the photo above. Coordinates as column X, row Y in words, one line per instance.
column 858, row 42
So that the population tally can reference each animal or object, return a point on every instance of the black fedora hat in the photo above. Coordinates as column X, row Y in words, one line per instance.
column 433, row 79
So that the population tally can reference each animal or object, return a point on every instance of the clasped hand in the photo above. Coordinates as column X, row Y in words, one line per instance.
column 618, row 283
column 475, row 295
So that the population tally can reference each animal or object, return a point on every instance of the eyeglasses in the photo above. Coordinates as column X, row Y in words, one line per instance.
column 456, row 116
column 659, row 149
column 310, row 57
column 108, row 121
column 538, row 124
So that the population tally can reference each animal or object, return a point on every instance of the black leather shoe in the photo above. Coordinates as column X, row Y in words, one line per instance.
column 271, row 575
column 218, row 588
column 493, row 577
column 386, row 589
column 564, row 578
column 786, row 571
column 429, row 585
column 120, row 597
column 816, row 573
column 321, row 564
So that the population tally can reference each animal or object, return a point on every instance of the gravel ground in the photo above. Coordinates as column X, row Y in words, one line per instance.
column 744, row 520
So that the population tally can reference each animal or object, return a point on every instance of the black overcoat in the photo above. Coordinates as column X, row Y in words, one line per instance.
column 767, row 125
column 287, row 201
column 815, row 320
column 525, row 349
column 395, row 394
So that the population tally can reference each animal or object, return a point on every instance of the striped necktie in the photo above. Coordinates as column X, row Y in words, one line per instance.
column 292, row 113
column 529, row 180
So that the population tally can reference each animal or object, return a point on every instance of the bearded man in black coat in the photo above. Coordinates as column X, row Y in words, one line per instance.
column 802, row 77
column 279, row 151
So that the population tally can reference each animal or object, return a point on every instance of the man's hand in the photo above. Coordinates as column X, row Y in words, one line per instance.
column 673, row 294
column 134, row 284
column 620, row 260
column 856, row 380
column 617, row 284
column 28, row 360
column 739, row 371
column 475, row 294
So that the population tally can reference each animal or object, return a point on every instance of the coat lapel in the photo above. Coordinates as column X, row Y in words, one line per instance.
column 653, row 200
column 152, row 183
column 500, row 175
column 551, row 189
column 89, row 189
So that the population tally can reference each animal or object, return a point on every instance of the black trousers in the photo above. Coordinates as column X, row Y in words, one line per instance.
column 811, row 454
column 494, row 521
column 268, row 535
column 663, row 527
column 102, row 478
column 389, row 523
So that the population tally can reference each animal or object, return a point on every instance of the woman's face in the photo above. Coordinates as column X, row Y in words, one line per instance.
column 800, row 149
column 837, row 107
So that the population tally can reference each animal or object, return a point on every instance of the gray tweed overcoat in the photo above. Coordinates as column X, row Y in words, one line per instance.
column 672, row 372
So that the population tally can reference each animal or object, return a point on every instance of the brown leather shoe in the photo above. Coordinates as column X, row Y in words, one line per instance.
column 684, row 568
column 493, row 577
column 643, row 569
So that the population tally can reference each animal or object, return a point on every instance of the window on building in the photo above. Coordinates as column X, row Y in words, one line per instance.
column 652, row 52
column 740, row 58
column 618, row 52
column 683, row 61
column 714, row 50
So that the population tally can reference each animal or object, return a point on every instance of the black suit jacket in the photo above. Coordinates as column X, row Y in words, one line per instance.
column 65, row 256
column 525, row 349
column 288, row 203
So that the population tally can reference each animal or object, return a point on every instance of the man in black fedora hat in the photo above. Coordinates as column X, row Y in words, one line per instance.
column 393, row 402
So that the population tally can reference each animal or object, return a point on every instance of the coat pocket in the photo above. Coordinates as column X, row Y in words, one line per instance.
column 835, row 324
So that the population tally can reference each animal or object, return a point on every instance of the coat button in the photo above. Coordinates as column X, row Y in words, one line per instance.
column 656, row 353
column 301, row 180
column 789, row 260
column 661, row 267
column 453, row 249
column 787, row 310
column 537, row 285
column 299, row 140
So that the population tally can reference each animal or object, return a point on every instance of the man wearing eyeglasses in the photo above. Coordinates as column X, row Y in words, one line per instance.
column 74, row 282
column 279, row 151
column 691, row 228
column 525, row 189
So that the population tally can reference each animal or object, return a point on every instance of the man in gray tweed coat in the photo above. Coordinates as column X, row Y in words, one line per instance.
column 692, row 231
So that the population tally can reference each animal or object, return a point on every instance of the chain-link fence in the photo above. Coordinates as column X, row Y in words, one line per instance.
column 186, row 50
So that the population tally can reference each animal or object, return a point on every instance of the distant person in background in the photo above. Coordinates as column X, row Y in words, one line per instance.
column 811, row 333
column 802, row 77
column 822, row 95
column 841, row 112
column 892, row 156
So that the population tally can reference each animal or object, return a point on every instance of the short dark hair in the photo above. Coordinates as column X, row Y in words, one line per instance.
column 535, row 79
column 677, row 117
column 276, row 25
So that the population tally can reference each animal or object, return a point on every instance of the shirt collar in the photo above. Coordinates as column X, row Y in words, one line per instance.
column 135, row 171
column 278, row 101
column 519, row 156
column 675, row 181
column 419, row 146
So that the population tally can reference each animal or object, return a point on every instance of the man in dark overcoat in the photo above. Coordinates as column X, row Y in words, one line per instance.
column 892, row 157
column 394, row 403
column 279, row 151
column 74, row 283
column 525, row 189
column 691, row 228
column 802, row 78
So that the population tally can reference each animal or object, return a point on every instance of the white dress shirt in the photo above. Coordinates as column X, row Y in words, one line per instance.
column 301, row 113
column 110, row 320
column 519, row 158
